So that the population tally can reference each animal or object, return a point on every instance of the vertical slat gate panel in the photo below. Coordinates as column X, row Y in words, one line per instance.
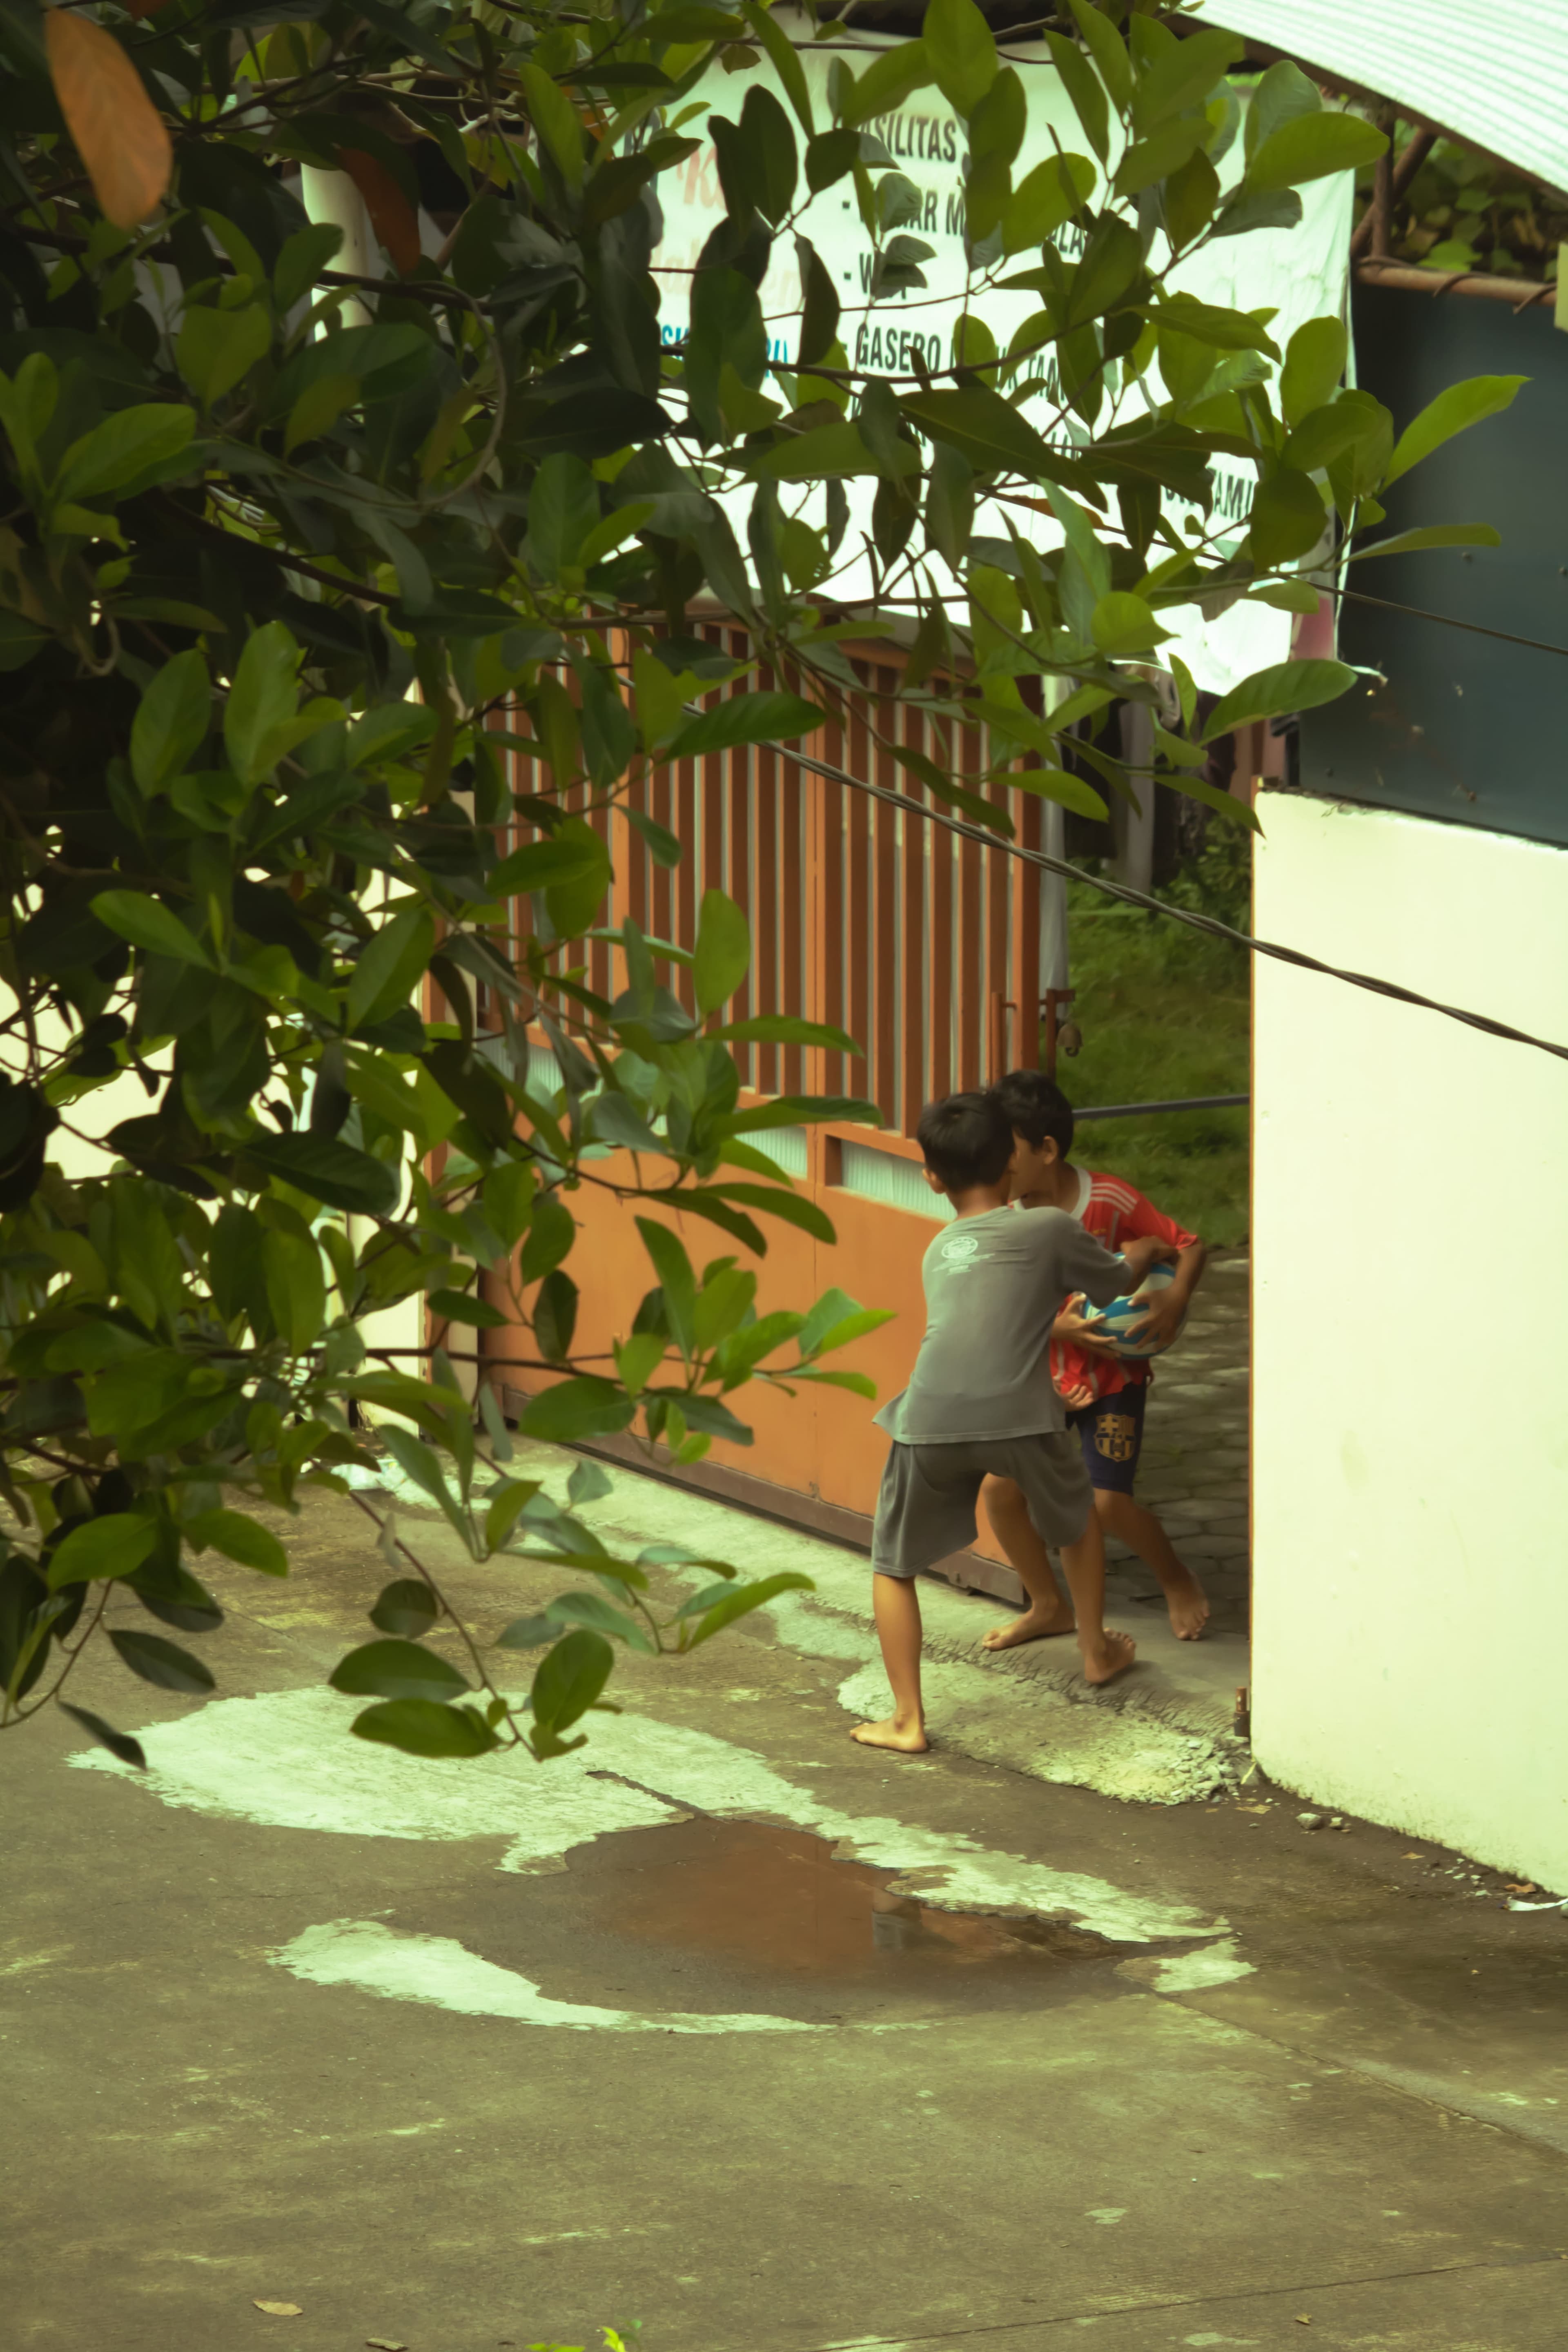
column 796, row 865
column 1028, row 816
column 970, row 987
column 857, row 941
column 998, row 912
column 884, row 1089
column 828, row 912
column 737, row 867
column 914, row 838
column 942, row 998
column 661, row 889
column 770, row 897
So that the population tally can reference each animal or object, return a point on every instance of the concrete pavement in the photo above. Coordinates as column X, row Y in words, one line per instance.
column 464, row 2055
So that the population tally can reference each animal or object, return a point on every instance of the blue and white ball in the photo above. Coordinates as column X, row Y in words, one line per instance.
column 1112, row 1324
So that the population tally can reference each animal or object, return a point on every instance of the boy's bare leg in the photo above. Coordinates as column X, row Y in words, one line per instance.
column 1140, row 1531
column 1048, row 1612
column 1105, row 1654
column 897, row 1608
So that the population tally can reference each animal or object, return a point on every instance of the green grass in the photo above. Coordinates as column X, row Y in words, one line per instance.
column 1167, row 1012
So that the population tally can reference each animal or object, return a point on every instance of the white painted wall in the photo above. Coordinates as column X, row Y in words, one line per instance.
column 1411, row 1289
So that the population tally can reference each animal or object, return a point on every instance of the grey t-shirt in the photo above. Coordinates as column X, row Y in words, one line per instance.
column 995, row 1285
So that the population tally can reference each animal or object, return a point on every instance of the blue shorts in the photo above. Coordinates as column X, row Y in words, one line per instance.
column 1111, row 1432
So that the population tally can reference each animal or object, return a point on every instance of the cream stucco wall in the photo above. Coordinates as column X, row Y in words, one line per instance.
column 1411, row 1291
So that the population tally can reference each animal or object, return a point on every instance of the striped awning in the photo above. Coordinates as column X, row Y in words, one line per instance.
column 1494, row 75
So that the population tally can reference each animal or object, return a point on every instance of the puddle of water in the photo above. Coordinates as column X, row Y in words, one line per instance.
column 767, row 1898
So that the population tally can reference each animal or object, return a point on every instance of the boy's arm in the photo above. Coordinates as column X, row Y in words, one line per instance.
column 1169, row 1306
column 1099, row 1274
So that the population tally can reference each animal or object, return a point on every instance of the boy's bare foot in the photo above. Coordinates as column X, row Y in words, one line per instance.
column 1187, row 1602
column 1111, row 1656
column 1036, row 1624
column 908, row 1738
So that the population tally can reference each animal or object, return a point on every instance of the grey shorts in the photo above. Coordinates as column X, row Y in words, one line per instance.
column 925, row 1511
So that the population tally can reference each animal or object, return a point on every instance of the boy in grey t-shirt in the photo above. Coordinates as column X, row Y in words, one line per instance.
column 980, row 1401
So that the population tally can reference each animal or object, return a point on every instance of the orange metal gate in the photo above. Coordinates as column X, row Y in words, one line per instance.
column 925, row 946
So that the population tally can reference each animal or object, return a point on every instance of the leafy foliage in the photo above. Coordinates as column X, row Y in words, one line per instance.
column 295, row 552
column 1460, row 211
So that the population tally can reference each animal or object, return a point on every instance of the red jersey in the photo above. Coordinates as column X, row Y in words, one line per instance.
column 1114, row 1211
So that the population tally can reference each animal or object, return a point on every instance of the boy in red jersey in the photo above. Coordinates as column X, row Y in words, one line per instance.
column 1105, row 1394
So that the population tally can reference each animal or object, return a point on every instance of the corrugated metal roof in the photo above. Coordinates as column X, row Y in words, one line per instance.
column 1496, row 74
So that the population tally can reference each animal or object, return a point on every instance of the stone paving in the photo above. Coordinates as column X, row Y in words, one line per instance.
column 1194, row 1468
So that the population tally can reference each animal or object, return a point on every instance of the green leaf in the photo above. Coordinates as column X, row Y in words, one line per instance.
column 784, row 57
column 961, row 52
column 575, row 1408
column 570, row 1679
column 573, row 901
column 389, row 967
column 295, row 1288
column 1310, row 147
column 396, row 1669
column 1112, row 263
column 171, row 720
column 117, row 454
column 1325, row 433
column 760, row 717
column 545, row 865
column 118, row 1743
column 1109, row 51
column 787, row 1029
column 1437, row 534
column 1288, row 518
column 555, row 119
column 1083, row 87
column 1455, row 410
column 797, row 1110
column 1268, row 693
column 987, row 429
column 163, row 1663
column 150, row 926
column 318, row 407
column 675, row 1280
column 325, row 1170
column 215, row 348
column 527, row 1633
column 887, row 81
column 261, row 699
column 1225, row 331
column 739, row 1600
column 1314, row 364
column 1122, row 624
column 406, row 1606
column 460, row 1306
column 238, row 1537
column 793, row 1207
column 109, row 1546
column 1224, row 805
column 418, row 1726
column 594, row 1609
column 1044, row 199
column 722, row 955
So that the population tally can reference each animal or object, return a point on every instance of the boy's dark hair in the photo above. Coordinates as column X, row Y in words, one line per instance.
column 1034, row 1106
column 966, row 1141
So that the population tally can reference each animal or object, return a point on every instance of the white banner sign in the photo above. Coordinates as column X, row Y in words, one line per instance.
column 1298, row 273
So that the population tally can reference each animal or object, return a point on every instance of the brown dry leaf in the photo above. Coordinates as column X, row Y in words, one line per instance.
column 277, row 2310
column 114, row 123
column 391, row 214
column 1525, row 1886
